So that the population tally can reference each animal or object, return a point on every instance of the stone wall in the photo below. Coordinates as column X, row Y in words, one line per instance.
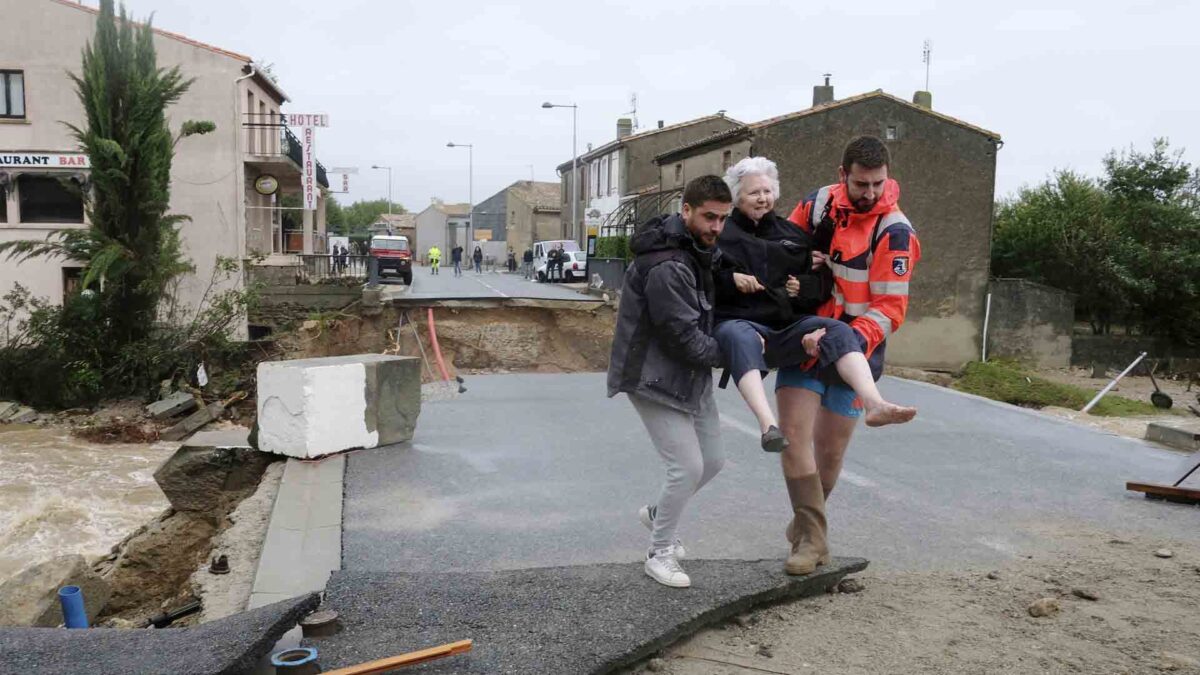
column 283, row 301
column 1030, row 323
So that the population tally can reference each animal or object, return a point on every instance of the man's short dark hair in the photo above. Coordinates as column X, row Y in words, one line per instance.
column 866, row 151
column 706, row 189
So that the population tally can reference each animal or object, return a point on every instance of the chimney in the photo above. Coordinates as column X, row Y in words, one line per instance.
column 924, row 99
column 823, row 94
column 660, row 124
column 624, row 127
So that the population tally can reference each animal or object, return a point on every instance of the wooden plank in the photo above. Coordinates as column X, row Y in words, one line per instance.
column 403, row 660
column 1167, row 492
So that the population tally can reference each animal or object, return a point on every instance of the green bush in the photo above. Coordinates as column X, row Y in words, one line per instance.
column 613, row 247
column 63, row 356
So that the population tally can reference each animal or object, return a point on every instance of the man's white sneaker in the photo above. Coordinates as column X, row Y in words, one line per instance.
column 646, row 515
column 663, row 567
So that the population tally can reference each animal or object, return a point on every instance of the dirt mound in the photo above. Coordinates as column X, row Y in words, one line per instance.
column 574, row 338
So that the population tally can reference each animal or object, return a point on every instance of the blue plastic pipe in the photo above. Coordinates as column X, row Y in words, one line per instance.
column 74, row 616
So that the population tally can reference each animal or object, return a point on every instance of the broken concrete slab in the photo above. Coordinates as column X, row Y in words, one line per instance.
column 314, row 407
column 227, row 646
column 7, row 408
column 175, row 404
column 1181, row 439
column 22, row 416
column 191, row 423
column 583, row 619
column 31, row 597
column 211, row 470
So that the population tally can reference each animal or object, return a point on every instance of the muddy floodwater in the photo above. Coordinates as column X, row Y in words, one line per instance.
column 61, row 495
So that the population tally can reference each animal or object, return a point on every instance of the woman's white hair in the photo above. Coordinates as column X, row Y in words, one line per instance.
column 751, row 166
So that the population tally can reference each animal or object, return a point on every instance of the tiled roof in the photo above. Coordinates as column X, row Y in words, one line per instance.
column 398, row 219
column 612, row 145
column 735, row 134
column 540, row 195
column 878, row 93
column 453, row 209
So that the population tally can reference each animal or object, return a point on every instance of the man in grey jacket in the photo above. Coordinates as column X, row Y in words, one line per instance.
column 663, row 354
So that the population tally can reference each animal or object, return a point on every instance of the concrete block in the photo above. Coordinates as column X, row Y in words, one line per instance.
column 31, row 597
column 211, row 470
column 175, row 404
column 315, row 407
column 22, row 416
column 1176, row 438
column 7, row 408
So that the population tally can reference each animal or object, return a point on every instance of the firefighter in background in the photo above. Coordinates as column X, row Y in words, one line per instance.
column 870, row 247
column 435, row 259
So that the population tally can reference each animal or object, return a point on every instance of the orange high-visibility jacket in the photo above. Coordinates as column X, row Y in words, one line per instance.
column 871, row 255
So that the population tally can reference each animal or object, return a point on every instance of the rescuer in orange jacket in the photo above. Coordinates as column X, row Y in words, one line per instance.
column 860, row 233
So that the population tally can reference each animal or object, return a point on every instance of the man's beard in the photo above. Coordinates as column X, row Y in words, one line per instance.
column 861, row 205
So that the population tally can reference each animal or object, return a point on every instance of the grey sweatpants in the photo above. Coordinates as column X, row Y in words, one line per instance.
column 690, row 448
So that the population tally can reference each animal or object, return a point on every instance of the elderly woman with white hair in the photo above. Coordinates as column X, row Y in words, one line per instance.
column 768, row 294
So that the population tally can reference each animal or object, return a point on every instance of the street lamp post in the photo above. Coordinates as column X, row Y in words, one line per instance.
column 574, row 165
column 389, row 170
column 470, row 187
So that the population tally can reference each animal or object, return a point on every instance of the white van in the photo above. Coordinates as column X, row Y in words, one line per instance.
column 541, row 250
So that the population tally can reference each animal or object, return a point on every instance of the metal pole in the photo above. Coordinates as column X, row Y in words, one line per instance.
column 471, row 194
column 389, row 194
column 987, row 314
column 574, row 172
column 1113, row 383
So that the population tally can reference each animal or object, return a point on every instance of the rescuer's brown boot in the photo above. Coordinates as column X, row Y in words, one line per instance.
column 807, row 530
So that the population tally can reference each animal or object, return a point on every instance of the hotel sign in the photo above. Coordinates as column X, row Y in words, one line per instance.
column 307, row 120
column 308, row 124
column 44, row 160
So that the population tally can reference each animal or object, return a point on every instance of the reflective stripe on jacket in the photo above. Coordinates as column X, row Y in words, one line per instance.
column 871, row 255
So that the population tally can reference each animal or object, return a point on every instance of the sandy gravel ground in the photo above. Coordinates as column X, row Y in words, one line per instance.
column 1144, row 618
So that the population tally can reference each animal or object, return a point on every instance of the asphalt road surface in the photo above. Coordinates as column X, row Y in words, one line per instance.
column 544, row 470
column 489, row 285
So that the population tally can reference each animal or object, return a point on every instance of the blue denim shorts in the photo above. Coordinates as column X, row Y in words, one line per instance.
column 837, row 397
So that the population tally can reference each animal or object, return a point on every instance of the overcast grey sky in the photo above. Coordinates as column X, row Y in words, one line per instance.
column 1062, row 83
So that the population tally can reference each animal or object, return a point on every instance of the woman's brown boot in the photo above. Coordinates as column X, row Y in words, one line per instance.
column 807, row 530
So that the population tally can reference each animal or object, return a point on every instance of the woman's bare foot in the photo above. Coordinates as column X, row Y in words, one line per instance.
column 889, row 413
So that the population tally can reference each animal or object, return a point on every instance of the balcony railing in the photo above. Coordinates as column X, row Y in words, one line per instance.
column 267, row 135
column 333, row 269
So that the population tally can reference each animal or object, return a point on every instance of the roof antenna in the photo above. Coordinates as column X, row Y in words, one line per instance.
column 927, row 57
column 633, row 104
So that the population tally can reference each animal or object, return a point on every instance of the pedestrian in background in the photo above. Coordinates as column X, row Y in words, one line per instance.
column 456, row 254
column 527, row 259
column 477, row 257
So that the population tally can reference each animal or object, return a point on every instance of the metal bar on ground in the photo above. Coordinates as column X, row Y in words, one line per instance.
column 1112, row 384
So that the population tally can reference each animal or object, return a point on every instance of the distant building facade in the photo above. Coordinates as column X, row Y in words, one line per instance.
column 624, row 167
column 520, row 214
column 442, row 225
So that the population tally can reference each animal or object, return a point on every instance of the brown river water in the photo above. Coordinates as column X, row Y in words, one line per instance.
column 61, row 495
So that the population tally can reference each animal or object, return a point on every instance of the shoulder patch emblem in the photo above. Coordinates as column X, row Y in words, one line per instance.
column 900, row 265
